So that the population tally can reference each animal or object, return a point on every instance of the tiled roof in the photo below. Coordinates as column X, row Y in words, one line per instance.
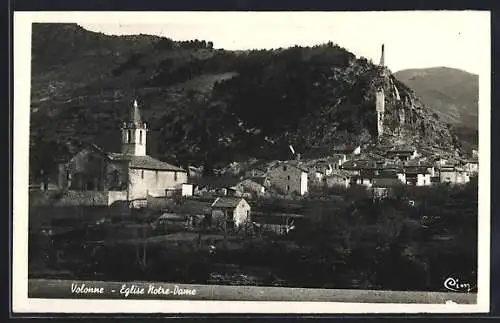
column 387, row 174
column 217, row 181
column 340, row 173
column 292, row 163
column 360, row 164
column 195, row 207
column 145, row 162
column 226, row 202
column 416, row 170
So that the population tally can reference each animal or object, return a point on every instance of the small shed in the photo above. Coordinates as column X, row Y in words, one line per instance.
column 235, row 210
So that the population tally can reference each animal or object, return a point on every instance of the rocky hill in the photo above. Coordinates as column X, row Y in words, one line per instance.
column 207, row 106
column 451, row 93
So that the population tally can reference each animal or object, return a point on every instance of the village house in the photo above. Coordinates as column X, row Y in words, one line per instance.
column 365, row 178
column 198, row 212
column 324, row 167
column 453, row 175
column 336, row 161
column 94, row 176
column 288, row 178
column 440, row 161
column 395, row 169
column 253, row 186
column 314, row 176
column 471, row 167
column 215, row 186
column 402, row 153
column 418, row 176
column 234, row 210
column 339, row 178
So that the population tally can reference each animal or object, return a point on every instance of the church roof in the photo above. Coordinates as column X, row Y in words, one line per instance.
column 145, row 162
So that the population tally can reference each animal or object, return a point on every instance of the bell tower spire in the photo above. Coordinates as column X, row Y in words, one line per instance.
column 134, row 133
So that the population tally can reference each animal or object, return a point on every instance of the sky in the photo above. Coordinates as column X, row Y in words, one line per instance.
column 413, row 39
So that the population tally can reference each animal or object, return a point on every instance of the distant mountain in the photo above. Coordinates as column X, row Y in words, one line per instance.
column 451, row 93
column 206, row 106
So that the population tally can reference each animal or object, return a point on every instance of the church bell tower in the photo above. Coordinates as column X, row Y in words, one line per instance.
column 134, row 133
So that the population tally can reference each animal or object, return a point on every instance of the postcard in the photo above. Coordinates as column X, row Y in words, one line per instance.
column 251, row 162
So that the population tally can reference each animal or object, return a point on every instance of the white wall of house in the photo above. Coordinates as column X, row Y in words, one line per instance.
column 402, row 177
column 423, row 179
column 187, row 190
column 364, row 181
column 241, row 213
column 339, row 181
column 454, row 177
column 144, row 181
column 472, row 168
column 303, row 183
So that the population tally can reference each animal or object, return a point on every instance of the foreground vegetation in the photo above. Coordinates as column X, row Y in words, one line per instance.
column 412, row 241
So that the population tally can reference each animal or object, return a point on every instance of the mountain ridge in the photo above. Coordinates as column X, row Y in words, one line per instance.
column 452, row 93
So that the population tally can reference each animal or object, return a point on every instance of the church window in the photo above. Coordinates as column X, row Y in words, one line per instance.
column 142, row 174
column 140, row 137
column 129, row 135
column 156, row 174
column 175, row 176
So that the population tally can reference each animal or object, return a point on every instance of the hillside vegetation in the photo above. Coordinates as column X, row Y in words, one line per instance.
column 208, row 106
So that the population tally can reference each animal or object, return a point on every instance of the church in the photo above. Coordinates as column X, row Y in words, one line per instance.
column 128, row 175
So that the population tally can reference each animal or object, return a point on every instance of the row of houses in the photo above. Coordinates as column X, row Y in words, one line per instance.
column 350, row 166
column 96, row 177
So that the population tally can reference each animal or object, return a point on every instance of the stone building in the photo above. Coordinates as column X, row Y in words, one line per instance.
column 288, row 178
column 254, row 186
column 235, row 211
column 339, row 178
column 128, row 175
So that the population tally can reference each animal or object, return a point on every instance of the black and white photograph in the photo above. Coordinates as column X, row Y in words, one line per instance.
column 309, row 162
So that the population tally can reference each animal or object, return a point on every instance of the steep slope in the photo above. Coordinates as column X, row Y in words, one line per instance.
column 451, row 93
column 204, row 105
